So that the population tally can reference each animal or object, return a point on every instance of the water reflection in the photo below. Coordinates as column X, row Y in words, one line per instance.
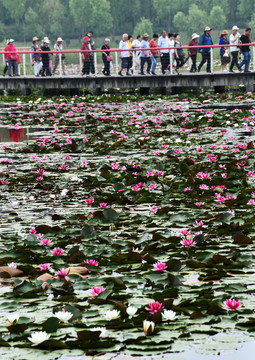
column 19, row 135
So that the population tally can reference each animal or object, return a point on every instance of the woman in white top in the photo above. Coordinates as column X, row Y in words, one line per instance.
column 59, row 47
column 234, row 40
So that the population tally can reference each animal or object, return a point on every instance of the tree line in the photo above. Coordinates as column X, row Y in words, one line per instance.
column 22, row 19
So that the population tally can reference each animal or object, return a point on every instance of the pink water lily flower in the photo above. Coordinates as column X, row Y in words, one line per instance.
column 46, row 242
column 89, row 201
column 57, row 251
column 188, row 242
column 154, row 307
column 232, row 304
column 62, row 274
column 91, row 262
column 95, row 291
column 43, row 267
column 160, row 266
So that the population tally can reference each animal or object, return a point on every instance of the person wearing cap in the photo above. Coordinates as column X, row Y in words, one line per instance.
column 86, row 56
column 224, row 51
column 12, row 59
column 107, row 58
column 59, row 47
column 5, row 57
column 163, row 42
column 245, row 50
column 205, row 39
column 45, row 57
column 145, row 55
column 193, row 52
column 36, row 57
column 124, row 54
column 92, row 45
column 234, row 40
column 136, row 44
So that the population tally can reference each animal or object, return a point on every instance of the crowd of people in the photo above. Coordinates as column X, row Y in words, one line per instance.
column 138, row 53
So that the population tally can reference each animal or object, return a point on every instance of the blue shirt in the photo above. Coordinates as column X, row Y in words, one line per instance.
column 163, row 42
column 145, row 45
column 205, row 40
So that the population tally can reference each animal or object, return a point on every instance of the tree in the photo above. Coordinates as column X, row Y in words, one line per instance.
column 217, row 19
column 143, row 26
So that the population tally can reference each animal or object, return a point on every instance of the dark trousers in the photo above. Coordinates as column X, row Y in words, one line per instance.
column 86, row 67
column 143, row 61
column 92, row 66
column 234, row 60
column 46, row 67
column 194, row 62
column 13, row 64
column 6, row 68
column 129, row 63
column 106, row 70
column 206, row 57
column 165, row 61
column 180, row 62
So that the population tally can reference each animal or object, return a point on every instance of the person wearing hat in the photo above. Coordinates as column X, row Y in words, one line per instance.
column 86, row 56
column 12, row 58
column 59, row 47
column 145, row 54
column 107, row 58
column 5, row 57
column 224, row 51
column 245, row 50
column 36, row 56
column 193, row 51
column 234, row 40
column 205, row 39
column 45, row 57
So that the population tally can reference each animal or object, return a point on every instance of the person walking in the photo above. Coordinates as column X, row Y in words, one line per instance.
column 193, row 52
column 205, row 39
column 5, row 58
column 92, row 45
column 130, row 58
column 224, row 51
column 45, row 57
column 154, row 53
column 245, row 50
column 59, row 47
column 36, row 57
column 163, row 42
column 124, row 55
column 179, row 53
column 107, row 58
column 86, row 56
column 145, row 54
column 234, row 40
column 136, row 44
column 171, row 51
column 12, row 59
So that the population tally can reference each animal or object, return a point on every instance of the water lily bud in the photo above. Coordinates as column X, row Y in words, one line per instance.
column 38, row 337
column 148, row 327
column 12, row 319
column 131, row 311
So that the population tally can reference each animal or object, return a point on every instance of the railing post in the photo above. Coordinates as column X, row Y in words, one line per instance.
column 211, row 55
column 80, row 61
column 253, row 58
column 171, row 62
column 24, row 64
column 116, row 62
column 60, row 64
column 3, row 59
column 95, row 62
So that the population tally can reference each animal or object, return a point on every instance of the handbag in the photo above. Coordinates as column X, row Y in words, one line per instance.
column 109, row 58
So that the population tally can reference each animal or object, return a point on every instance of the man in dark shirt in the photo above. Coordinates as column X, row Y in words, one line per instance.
column 245, row 39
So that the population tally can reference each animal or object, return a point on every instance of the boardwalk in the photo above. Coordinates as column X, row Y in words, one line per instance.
column 171, row 83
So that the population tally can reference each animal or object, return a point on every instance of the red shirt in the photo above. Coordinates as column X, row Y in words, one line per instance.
column 193, row 43
column 153, row 44
column 11, row 55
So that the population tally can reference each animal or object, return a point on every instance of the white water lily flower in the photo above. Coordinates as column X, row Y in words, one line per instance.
column 38, row 337
column 111, row 315
column 169, row 315
column 148, row 327
column 104, row 332
column 64, row 192
column 12, row 319
column 63, row 316
column 131, row 311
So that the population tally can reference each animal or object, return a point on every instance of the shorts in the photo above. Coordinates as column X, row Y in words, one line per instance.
column 124, row 62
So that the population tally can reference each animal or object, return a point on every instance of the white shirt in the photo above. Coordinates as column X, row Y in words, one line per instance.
column 124, row 45
column 163, row 42
column 58, row 47
column 171, row 43
column 137, row 44
column 231, row 38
